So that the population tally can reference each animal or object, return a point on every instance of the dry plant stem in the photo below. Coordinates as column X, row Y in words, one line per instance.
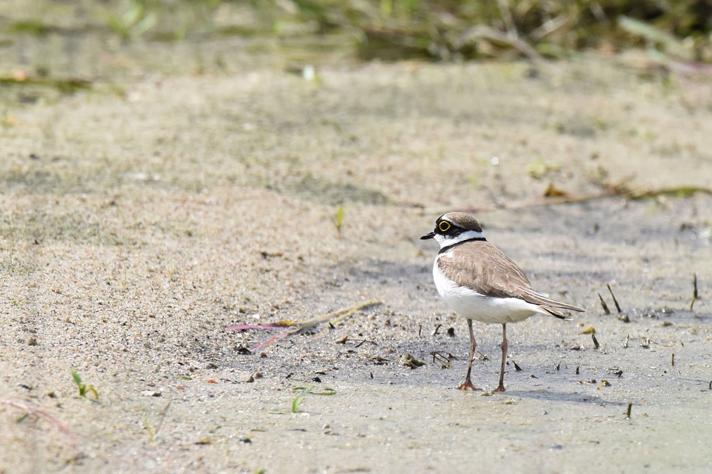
column 268, row 342
column 695, row 294
column 163, row 414
column 337, row 316
column 40, row 413
column 68, row 84
column 549, row 27
column 615, row 301
column 614, row 191
column 333, row 317
column 506, row 14
column 603, row 304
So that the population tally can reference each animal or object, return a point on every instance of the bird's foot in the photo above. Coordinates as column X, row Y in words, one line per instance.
column 467, row 385
column 500, row 388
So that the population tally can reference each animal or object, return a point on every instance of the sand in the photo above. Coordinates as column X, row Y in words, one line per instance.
column 143, row 216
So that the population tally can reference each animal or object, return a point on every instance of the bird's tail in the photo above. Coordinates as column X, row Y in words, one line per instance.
column 552, row 307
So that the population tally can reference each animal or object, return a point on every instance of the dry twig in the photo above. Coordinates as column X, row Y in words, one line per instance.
column 695, row 294
column 39, row 412
column 332, row 318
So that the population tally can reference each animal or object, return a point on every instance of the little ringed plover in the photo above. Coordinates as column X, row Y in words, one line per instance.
column 479, row 282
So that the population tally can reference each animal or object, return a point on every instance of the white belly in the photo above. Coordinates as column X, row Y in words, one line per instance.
column 487, row 309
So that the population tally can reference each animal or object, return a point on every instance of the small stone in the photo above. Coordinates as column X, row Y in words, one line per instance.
column 253, row 377
column 32, row 341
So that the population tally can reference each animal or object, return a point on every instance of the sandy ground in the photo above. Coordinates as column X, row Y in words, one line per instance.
column 140, row 218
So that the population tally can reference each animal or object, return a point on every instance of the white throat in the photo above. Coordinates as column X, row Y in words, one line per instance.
column 446, row 241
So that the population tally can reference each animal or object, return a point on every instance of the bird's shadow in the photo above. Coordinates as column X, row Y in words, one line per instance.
column 554, row 396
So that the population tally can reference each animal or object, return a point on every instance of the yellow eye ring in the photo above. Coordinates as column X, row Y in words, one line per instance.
column 444, row 226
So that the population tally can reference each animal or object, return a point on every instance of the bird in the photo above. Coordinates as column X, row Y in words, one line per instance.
column 479, row 282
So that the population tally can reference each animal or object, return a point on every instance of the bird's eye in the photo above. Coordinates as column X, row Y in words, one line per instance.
column 444, row 226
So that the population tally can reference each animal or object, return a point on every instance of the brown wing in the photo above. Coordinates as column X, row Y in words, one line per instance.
column 484, row 268
column 487, row 270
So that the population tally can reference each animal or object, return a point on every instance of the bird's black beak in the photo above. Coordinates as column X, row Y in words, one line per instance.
column 427, row 236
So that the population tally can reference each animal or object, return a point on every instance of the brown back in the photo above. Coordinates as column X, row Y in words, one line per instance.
column 484, row 268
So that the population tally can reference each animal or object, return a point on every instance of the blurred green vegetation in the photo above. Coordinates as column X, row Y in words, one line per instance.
column 437, row 29
column 447, row 29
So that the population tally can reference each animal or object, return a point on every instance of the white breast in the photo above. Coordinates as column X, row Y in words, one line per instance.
column 472, row 305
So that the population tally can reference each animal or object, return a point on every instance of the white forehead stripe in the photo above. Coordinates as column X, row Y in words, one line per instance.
column 446, row 241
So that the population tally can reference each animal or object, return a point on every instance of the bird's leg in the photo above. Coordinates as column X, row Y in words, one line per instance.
column 467, row 384
column 500, row 388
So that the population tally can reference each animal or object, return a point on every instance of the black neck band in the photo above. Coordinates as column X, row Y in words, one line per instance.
column 473, row 239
